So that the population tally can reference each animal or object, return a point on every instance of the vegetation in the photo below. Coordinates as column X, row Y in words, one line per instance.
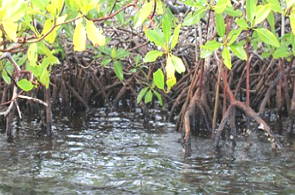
column 201, row 59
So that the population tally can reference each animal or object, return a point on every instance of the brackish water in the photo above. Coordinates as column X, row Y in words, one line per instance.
column 115, row 153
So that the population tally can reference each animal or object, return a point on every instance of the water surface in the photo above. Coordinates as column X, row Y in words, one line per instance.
column 115, row 153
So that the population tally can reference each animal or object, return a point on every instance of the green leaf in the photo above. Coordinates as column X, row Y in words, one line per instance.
column 79, row 37
column 151, row 56
column 267, row 37
column 242, row 23
column 275, row 5
column 233, row 35
column 175, row 36
column 5, row 77
column 261, row 14
column 106, row 61
column 292, row 21
column 118, row 68
column 156, row 36
column 158, row 79
column 211, row 45
column 226, row 58
column 194, row 17
column 250, row 9
column 167, row 26
column 271, row 21
column 122, row 53
column 177, row 63
column 143, row 13
column 281, row 52
column 148, row 97
column 25, row 85
column 114, row 53
column 44, row 77
column 220, row 26
column 205, row 53
column 43, row 49
column 159, row 97
column 239, row 51
column 220, row 6
column 229, row 10
column 140, row 95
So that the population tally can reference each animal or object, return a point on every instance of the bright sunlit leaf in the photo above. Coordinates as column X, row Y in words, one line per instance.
column 178, row 64
column 10, row 29
column 79, row 38
column 94, row 34
column 143, row 13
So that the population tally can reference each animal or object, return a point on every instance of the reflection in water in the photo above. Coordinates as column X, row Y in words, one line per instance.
column 115, row 154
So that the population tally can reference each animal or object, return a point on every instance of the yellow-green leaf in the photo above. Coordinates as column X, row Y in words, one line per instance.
column 10, row 29
column 48, row 25
column 13, row 10
column 86, row 6
column 220, row 6
column 143, row 13
column 178, row 64
column 170, row 82
column 55, row 6
column 25, row 85
column 79, row 38
column 148, row 97
column 158, row 79
column 170, row 73
column 262, row 12
column 226, row 58
column 292, row 21
column 220, row 26
column 250, row 9
column 160, row 7
column 141, row 94
column 239, row 51
column 44, row 78
column 32, row 54
column 94, row 34
column 267, row 37
column 118, row 68
column 175, row 36
column 151, row 56
column 290, row 3
column 50, row 38
column 275, row 5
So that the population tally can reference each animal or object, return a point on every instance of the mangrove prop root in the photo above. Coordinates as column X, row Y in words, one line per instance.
column 48, row 112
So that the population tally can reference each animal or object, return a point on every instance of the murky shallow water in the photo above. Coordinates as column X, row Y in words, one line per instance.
column 115, row 154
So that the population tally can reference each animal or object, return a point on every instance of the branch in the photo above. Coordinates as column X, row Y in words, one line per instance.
column 33, row 99
column 116, row 12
